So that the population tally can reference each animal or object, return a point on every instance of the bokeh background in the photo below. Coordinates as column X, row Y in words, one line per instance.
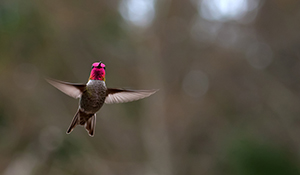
column 228, row 73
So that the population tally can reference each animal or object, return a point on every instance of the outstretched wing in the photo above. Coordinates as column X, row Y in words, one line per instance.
column 72, row 89
column 124, row 95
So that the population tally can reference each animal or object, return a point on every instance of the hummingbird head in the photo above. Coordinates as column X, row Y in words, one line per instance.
column 98, row 71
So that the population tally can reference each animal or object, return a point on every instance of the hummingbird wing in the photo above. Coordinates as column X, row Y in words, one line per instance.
column 125, row 95
column 72, row 89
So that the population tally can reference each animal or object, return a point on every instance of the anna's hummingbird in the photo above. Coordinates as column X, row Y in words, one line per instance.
column 93, row 95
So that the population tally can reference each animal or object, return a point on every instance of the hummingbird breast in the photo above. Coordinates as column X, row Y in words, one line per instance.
column 93, row 98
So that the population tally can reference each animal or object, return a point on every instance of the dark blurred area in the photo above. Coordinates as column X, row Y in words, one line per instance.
column 228, row 73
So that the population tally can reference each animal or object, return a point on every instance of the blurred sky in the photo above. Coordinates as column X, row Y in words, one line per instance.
column 227, row 70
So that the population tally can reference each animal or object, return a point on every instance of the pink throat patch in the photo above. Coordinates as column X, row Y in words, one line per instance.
column 98, row 73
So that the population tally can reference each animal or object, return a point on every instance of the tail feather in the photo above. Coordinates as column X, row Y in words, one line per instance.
column 81, row 118
column 74, row 122
column 90, row 125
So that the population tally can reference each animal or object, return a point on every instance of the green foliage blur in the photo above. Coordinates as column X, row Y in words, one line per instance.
column 229, row 98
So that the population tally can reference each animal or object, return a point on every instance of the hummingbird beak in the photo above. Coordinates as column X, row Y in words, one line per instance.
column 96, row 64
column 99, row 65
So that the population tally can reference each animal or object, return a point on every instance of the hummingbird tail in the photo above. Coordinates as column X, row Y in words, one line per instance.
column 90, row 125
column 74, row 122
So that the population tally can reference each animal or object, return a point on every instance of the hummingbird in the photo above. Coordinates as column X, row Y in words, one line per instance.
column 93, row 95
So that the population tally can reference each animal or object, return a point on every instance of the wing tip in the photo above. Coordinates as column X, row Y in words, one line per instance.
column 52, row 81
column 154, row 90
column 72, row 89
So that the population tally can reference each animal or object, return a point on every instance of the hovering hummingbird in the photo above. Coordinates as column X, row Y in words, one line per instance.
column 93, row 95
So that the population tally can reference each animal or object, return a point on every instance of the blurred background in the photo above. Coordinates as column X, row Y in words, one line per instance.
column 228, row 73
